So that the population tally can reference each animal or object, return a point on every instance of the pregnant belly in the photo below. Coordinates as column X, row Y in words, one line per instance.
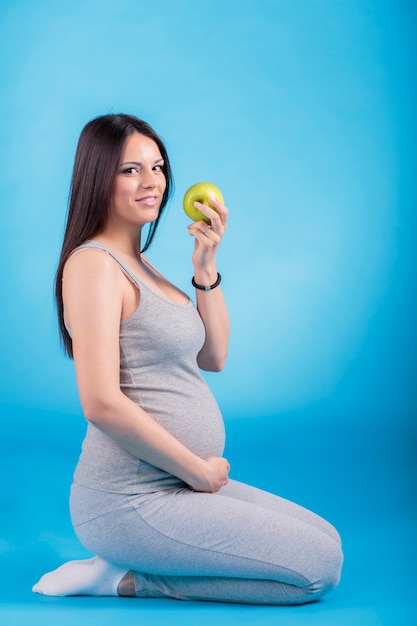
column 195, row 421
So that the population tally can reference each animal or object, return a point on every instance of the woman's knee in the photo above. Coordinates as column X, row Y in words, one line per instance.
column 328, row 572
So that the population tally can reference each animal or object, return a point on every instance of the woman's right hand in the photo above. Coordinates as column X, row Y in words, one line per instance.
column 214, row 476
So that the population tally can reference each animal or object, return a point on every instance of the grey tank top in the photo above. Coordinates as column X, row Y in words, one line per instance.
column 159, row 344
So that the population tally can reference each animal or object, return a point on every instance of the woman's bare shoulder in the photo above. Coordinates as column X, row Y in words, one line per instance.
column 90, row 262
column 92, row 290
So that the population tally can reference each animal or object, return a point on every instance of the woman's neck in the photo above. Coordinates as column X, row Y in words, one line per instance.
column 123, row 241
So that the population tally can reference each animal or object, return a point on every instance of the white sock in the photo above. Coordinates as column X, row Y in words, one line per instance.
column 90, row 577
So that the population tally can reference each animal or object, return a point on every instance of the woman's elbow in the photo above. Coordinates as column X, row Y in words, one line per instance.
column 97, row 409
column 213, row 363
column 219, row 364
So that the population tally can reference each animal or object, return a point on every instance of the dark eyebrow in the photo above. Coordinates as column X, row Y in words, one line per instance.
column 139, row 164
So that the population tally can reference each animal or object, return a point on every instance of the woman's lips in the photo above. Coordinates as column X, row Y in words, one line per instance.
column 148, row 200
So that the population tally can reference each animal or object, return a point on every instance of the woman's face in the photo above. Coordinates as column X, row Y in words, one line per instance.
column 139, row 184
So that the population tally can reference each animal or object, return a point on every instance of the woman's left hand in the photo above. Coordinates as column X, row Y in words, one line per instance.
column 208, row 236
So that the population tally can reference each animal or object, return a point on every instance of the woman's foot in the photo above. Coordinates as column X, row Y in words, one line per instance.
column 90, row 577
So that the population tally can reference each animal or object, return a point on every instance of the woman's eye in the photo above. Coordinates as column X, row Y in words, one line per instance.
column 158, row 168
column 129, row 170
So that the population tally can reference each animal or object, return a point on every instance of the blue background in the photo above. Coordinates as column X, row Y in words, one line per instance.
column 303, row 113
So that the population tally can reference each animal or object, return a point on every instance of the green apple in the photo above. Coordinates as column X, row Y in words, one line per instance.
column 200, row 192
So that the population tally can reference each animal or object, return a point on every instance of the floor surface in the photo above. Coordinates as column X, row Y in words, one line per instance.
column 361, row 480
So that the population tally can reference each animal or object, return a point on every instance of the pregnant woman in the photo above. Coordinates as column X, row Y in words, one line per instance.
column 151, row 496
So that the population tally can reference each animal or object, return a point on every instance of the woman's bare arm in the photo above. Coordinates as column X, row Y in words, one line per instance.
column 211, row 304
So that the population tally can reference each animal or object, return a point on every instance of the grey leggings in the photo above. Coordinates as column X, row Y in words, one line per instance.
column 239, row 545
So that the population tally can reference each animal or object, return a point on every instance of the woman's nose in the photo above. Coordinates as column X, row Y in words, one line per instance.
column 148, row 179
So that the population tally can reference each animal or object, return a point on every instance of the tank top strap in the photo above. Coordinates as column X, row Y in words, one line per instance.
column 125, row 269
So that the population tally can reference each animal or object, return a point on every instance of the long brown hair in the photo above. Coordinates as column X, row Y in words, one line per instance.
column 96, row 162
